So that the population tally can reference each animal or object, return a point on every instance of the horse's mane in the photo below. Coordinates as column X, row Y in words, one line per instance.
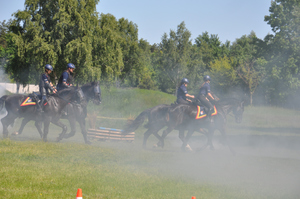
column 88, row 85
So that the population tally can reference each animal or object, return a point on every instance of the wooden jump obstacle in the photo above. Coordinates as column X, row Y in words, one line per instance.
column 110, row 134
column 103, row 133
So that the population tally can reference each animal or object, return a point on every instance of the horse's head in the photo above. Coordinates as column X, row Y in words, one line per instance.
column 92, row 91
column 238, row 111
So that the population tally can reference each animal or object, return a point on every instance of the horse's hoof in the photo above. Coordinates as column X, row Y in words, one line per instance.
column 15, row 134
column 188, row 148
column 160, row 144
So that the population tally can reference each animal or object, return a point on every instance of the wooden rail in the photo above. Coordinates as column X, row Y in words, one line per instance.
column 110, row 134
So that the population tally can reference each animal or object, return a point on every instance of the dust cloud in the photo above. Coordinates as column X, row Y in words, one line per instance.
column 266, row 163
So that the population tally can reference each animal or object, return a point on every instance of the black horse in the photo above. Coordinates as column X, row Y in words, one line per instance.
column 183, row 117
column 15, row 108
column 76, row 111
column 179, row 116
column 157, row 119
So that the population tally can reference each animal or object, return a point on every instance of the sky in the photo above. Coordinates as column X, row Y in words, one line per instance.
column 229, row 19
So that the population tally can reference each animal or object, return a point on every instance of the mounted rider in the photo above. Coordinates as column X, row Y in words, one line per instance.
column 182, row 93
column 66, row 78
column 44, row 86
column 65, row 81
column 205, row 95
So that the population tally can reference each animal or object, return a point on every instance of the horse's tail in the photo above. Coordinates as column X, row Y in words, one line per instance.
column 2, row 101
column 139, row 120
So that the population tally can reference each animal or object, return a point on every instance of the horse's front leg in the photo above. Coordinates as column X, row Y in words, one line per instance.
column 81, row 122
column 61, row 125
column 72, row 122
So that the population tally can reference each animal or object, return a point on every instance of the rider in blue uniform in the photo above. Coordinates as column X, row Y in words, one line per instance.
column 205, row 95
column 44, row 86
column 182, row 93
column 66, row 78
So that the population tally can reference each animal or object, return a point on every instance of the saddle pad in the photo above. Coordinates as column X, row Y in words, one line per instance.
column 201, row 112
column 28, row 102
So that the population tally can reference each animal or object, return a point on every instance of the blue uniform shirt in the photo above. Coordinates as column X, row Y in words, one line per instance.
column 181, row 92
column 205, row 89
column 65, row 77
column 45, row 78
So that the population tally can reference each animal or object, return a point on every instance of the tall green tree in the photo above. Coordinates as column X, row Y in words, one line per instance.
column 174, row 55
column 223, row 75
column 195, row 69
column 130, row 48
column 147, row 77
column 6, row 49
column 107, row 51
column 211, row 47
column 55, row 32
column 248, row 63
column 284, row 50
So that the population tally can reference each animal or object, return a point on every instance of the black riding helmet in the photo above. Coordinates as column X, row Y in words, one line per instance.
column 206, row 77
column 49, row 67
column 184, row 80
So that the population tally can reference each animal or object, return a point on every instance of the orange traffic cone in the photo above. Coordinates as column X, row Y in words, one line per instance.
column 79, row 194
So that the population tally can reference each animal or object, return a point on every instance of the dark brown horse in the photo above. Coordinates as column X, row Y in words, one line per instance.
column 77, row 111
column 52, row 110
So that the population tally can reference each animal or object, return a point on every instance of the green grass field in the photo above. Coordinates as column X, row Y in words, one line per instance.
column 267, row 164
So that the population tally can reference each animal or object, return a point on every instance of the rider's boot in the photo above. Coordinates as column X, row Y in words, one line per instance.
column 39, row 108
